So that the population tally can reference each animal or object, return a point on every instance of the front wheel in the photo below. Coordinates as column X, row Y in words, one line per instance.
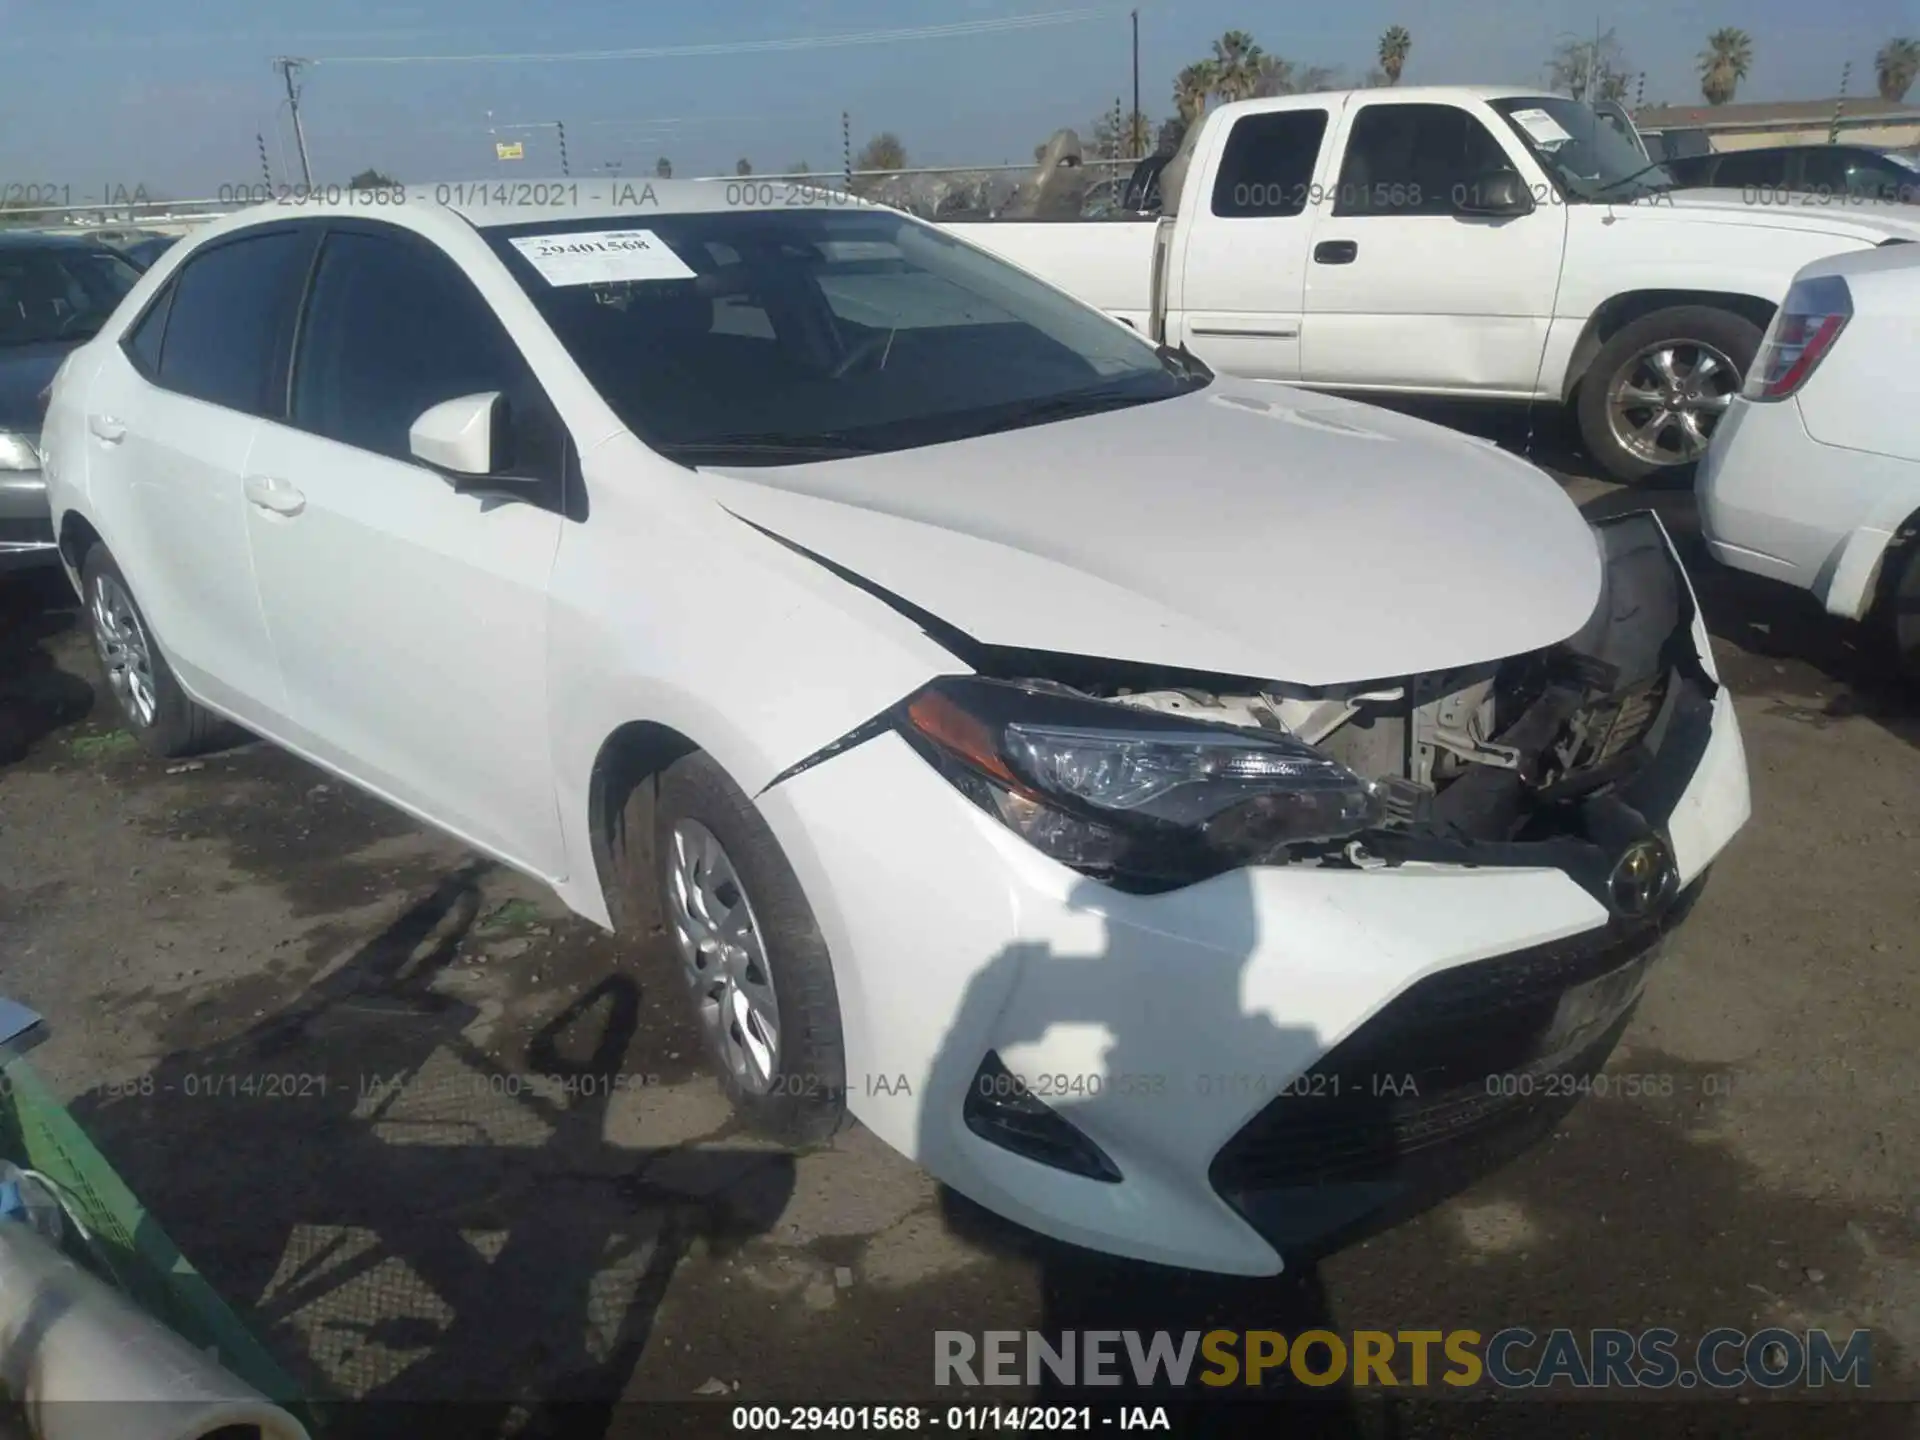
column 1656, row 391
column 752, row 957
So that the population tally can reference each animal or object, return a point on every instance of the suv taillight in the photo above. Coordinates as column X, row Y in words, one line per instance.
column 1808, row 322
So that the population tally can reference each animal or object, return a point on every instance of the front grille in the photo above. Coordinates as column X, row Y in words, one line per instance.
column 36, row 530
column 1464, row 1070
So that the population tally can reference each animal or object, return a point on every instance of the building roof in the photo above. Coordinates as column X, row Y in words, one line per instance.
column 1771, row 112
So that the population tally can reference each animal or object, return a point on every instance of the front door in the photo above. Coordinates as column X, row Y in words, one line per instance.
column 410, row 619
column 1405, row 293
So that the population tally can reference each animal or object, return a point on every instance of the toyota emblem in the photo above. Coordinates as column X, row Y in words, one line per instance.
column 1642, row 879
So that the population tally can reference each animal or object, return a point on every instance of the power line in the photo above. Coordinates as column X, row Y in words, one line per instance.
column 958, row 29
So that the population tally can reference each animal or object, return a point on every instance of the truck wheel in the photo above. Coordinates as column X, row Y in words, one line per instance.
column 1901, row 603
column 1657, row 389
column 756, row 966
column 155, row 708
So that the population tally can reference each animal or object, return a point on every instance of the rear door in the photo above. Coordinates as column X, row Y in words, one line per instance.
column 171, row 416
column 410, row 618
column 1240, row 279
column 1404, row 292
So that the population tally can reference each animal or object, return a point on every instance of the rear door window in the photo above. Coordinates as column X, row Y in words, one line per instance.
column 1268, row 165
column 1751, row 169
column 231, row 318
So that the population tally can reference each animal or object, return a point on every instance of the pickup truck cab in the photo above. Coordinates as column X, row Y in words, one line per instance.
column 1467, row 241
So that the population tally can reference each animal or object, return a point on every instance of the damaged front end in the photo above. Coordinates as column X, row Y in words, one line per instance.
column 1564, row 757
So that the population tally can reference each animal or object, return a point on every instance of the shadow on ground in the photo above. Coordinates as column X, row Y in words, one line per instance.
column 431, row 1223
column 36, row 695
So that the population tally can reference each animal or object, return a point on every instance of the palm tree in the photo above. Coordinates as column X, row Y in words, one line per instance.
column 1394, row 46
column 743, row 166
column 663, row 168
column 799, row 167
column 1896, row 67
column 1191, row 88
column 1724, row 64
column 1273, row 76
column 1236, row 61
column 1316, row 78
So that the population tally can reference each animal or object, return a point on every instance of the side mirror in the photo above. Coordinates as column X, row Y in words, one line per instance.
column 462, row 436
column 1495, row 193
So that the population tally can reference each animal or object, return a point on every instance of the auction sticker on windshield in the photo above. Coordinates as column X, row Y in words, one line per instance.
column 592, row 257
column 1542, row 127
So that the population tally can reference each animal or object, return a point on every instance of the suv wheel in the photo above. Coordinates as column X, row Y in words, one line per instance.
column 151, row 702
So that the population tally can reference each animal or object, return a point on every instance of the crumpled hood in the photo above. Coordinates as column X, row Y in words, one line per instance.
column 1869, row 220
column 1246, row 529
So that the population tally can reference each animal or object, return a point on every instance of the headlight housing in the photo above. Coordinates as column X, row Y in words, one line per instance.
column 1130, row 795
column 19, row 452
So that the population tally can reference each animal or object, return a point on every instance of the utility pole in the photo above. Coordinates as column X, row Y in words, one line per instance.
column 266, row 170
column 286, row 65
column 1833, row 130
column 561, row 130
column 846, row 146
column 1136, row 118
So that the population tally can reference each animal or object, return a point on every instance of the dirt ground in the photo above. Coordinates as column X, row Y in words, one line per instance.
column 404, row 1213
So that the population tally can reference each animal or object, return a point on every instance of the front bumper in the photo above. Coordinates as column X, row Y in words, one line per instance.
column 1182, row 1032
column 26, row 522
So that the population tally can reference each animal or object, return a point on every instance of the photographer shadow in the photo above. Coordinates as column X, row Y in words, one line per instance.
column 1107, row 1004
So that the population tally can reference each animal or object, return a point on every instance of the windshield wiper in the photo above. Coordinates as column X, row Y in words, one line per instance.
column 1600, row 190
column 798, row 448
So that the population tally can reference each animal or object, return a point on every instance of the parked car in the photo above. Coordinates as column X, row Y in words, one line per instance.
column 145, row 251
column 1812, row 174
column 1467, row 241
column 1814, row 479
column 1050, row 753
column 55, row 292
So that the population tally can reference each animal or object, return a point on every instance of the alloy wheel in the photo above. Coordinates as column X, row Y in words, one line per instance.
column 1664, row 403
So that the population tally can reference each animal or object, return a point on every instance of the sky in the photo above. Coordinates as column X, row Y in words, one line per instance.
column 105, row 97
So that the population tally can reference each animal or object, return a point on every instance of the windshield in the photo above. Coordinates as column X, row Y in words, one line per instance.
column 59, row 292
column 770, row 336
column 1590, row 157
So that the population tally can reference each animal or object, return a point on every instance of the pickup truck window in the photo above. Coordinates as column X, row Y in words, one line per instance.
column 1413, row 159
column 1267, row 167
column 815, row 334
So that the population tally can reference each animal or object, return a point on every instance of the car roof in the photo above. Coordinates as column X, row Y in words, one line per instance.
column 46, row 240
column 1431, row 94
column 490, row 203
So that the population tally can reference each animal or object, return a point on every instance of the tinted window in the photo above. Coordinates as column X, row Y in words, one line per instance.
column 1878, row 178
column 1268, row 165
column 231, row 309
column 1413, row 160
column 1737, row 169
column 828, row 331
column 59, row 292
column 142, row 343
column 392, row 329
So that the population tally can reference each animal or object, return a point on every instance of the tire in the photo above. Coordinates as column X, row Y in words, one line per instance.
column 154, row 708
column 1685, row 327
column 799, row 1098
column 1899, row 617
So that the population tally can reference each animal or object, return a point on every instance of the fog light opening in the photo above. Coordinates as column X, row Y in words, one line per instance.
column 1002, row 1111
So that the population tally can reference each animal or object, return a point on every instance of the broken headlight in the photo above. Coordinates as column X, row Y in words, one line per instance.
column 1131, row 794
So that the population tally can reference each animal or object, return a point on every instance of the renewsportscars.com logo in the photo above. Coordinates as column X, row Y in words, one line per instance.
column 1512, row 1359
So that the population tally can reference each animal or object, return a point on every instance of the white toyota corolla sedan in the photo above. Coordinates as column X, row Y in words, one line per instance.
column 1194, row 818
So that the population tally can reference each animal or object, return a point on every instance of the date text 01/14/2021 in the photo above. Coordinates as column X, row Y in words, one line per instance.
column 954, row 1420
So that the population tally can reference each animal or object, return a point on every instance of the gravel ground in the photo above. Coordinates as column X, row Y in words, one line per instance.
column 407, row 1213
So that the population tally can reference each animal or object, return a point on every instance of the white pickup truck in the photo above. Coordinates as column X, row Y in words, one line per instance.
column 1465, row 241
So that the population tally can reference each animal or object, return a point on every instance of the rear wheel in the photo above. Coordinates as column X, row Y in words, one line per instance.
column 151, row 702
column 1901, row 603
column 1656, row 391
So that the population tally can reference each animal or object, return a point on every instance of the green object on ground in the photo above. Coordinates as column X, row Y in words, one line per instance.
column 129, row 1248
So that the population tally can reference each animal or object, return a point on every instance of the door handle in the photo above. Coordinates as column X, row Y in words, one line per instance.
column 106, row 429
column 1335, row 252
column 275, row 495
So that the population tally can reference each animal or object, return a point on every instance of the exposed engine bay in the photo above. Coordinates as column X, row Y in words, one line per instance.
column 1513, row 750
